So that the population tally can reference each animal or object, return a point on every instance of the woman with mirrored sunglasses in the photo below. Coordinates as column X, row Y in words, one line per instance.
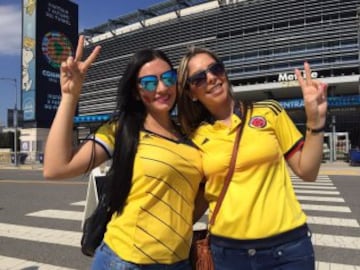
column 260, row 224
column 155, row 171
column 150, row 82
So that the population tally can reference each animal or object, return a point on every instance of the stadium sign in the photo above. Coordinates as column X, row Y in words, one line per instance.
column 286, row 77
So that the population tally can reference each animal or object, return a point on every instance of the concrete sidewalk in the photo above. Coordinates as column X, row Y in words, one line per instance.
column 328, row 168
column 21, row 166
column 339, row 168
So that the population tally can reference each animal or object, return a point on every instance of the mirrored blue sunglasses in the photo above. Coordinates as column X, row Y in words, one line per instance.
column 150, row 82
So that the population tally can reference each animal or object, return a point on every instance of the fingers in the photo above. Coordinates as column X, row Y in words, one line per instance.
column 80, row 48
column 79, row 54
column 63, row 70
column 73, row 66
column 307, row 73
column 319, row 86
column 91, row 58
column 323, row 89
column 69, row 67
column 300, row 78
column 307, row 81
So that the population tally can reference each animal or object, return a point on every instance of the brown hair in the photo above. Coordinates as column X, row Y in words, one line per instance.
column 191, row 113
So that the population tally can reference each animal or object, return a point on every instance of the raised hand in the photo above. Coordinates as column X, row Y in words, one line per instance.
column 73, row 70
column 315, row 98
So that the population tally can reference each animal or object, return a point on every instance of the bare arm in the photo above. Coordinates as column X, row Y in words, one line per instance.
column 61, row 159
column 306, row 163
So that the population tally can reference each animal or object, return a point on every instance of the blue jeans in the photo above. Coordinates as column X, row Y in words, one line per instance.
column 294, row 255
column 106, row 259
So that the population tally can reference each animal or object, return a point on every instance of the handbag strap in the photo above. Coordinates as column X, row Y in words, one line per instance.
column 229, row 174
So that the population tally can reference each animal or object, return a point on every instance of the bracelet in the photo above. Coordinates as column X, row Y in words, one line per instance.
column 315, row 130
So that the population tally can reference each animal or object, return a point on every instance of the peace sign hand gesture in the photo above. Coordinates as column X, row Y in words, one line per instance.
column 73, row 70
column 315, row 98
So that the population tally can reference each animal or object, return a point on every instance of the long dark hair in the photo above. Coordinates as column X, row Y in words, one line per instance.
column 129, row 118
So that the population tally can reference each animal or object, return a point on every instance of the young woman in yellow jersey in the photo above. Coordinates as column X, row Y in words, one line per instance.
column 155, row 170
column 260, row 224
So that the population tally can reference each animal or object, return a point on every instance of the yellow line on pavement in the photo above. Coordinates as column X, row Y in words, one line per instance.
column 338, row 172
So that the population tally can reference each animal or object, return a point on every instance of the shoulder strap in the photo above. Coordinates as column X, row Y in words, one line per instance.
column 229, row 174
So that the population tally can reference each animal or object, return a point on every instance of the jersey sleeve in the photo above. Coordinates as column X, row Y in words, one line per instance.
column 289, row 137
column 105, row 136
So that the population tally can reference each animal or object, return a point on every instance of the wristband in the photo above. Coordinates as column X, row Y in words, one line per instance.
column 315, row 130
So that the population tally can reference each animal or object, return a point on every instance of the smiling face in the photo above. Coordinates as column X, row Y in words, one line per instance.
column 212, row 91
column 158, row 96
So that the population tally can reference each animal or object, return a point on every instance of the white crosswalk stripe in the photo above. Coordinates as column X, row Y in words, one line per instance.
column 335, row 266
column 317, row 192
column 336, row 241
column 59, row 237
column 326, row 208
column 80, row 203
column 331, row 221
column 52, row 213
column 323, row 201
column 8, row 263
column 314, row 187
column 315, row 184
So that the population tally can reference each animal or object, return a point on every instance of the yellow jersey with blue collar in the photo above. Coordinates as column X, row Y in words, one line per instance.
column 156, row 223
column 260, row 201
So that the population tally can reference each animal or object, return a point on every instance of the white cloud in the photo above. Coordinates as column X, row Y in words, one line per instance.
column 10, row 30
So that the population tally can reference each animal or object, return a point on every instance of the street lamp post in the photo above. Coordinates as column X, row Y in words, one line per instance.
column 15, row 115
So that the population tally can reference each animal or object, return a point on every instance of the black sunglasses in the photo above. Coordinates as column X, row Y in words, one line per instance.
column 150, row 82
column 200, row 78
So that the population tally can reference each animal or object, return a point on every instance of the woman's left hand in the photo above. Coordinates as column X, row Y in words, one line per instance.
column 315, row 98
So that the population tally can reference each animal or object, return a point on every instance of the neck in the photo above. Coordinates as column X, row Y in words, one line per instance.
column 224, row 111
column 161, row 125
column 162, row 121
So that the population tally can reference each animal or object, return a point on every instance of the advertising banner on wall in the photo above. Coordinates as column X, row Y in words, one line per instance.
column 28, row 59
column 50, row 33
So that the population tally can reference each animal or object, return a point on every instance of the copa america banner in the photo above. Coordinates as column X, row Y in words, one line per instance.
column 50, row 33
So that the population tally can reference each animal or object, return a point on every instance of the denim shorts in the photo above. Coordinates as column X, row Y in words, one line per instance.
column 296, row 254
column 106, row 259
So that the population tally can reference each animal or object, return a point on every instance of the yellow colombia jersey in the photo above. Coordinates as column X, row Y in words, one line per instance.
column 260, row 201
column 156, row 223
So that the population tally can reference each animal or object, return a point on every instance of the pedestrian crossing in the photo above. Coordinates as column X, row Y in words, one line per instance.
column 329, row 219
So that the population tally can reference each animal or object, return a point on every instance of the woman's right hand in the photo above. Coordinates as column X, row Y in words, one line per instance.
column 73, row 70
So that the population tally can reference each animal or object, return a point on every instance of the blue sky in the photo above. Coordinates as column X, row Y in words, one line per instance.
column 91, row 13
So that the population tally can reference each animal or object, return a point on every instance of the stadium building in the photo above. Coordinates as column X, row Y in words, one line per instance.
column 261, row 42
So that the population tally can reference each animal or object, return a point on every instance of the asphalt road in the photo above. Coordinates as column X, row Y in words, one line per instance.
column 40, row 220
